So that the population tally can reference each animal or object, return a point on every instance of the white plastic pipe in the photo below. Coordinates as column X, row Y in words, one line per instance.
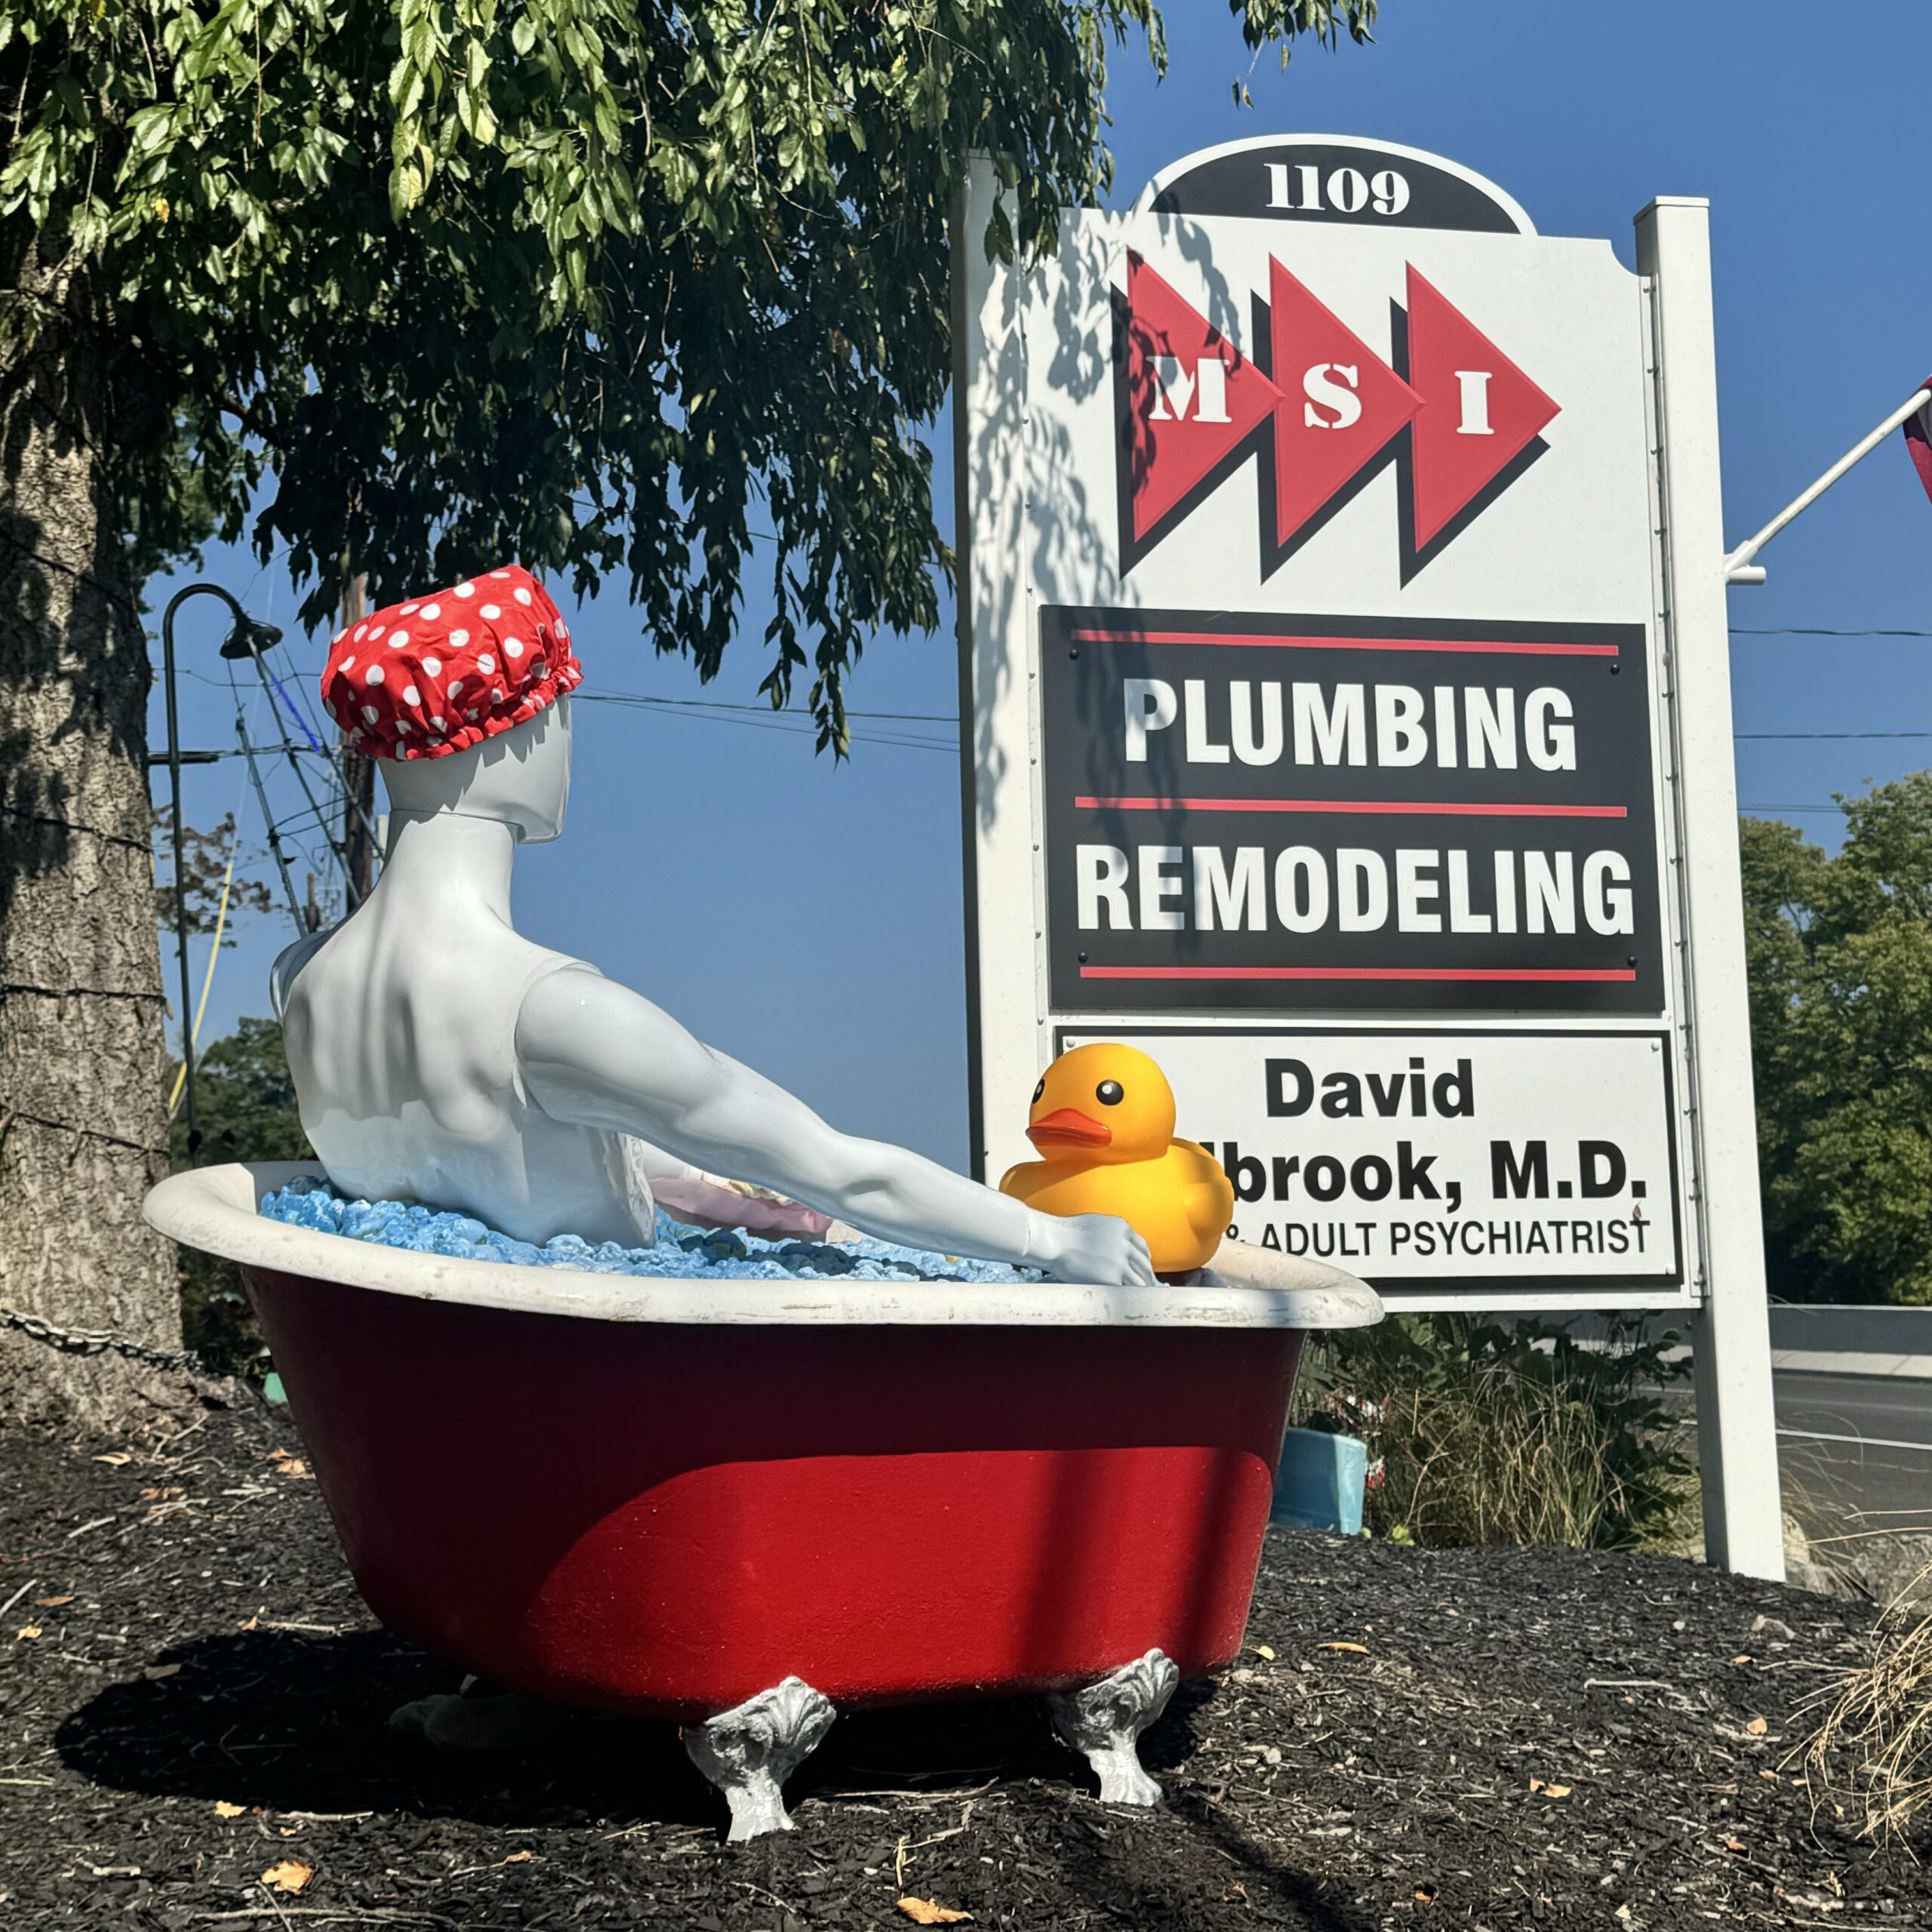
column 1738, row 568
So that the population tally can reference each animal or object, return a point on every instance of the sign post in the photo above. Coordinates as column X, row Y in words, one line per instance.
column 1347, row 721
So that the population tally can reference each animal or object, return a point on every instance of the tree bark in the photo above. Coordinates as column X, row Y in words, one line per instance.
column 82, row 1131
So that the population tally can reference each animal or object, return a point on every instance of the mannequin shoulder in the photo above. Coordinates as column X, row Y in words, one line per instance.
column 289, row 963
column 575, row 1024
column 568, row 1007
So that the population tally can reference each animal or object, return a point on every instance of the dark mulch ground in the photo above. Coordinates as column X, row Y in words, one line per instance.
column 189, row 1644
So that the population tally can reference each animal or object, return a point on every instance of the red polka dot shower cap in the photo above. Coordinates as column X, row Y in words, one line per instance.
column 442, row 672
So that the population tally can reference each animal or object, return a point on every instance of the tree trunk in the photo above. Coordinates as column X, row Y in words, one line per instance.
column 82, row 1133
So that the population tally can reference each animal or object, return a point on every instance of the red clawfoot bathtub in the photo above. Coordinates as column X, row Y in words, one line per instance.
column 662, row 1497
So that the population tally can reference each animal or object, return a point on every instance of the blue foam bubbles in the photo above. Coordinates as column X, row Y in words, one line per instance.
column 681, row 1252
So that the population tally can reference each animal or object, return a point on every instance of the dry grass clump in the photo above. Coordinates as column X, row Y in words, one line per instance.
column 1484, row 1432
column 1877, row 1721
column 1498, row 1460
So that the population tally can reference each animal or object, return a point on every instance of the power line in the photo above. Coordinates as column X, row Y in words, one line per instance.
column 1816, row 630
column 766, row 710
column 1790, row 735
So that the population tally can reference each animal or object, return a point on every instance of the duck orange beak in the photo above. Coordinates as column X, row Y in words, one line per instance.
column 1065, row 1128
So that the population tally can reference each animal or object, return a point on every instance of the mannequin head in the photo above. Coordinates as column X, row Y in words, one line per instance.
column 520, row 777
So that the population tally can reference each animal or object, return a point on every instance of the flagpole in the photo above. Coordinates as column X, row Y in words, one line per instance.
column 1738, row 568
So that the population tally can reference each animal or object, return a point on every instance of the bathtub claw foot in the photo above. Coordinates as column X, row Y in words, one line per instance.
column 749, row 1752
column 1103, row 1723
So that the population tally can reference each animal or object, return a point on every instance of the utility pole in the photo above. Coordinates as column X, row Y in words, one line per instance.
column 358, row 780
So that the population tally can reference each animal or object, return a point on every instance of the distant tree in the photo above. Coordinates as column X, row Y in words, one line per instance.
column 604, row 285
column 204, row 857
column 245, row 1104
column 1840, row 951
column 244, row 1099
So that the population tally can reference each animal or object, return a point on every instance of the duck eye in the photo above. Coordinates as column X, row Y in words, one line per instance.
column 1041, row 1088
column 1109, row 1094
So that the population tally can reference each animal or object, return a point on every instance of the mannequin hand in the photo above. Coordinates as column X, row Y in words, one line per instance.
column 1100, row 1248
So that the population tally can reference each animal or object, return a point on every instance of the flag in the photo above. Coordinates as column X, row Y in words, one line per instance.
column 1918, row 439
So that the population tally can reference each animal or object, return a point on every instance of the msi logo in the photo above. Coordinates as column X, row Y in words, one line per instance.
column 1321, row 410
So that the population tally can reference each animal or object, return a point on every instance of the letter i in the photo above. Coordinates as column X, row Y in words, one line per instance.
column 1506, row 892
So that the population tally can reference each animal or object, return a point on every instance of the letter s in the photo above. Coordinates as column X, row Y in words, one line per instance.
column 1318, row 385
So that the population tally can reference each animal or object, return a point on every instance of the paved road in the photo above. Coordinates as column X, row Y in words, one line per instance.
column 1885, row 1468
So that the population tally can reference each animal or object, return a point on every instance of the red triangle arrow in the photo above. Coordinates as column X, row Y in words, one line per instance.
column 1482, row 412
column 1192, row 395
column 1340, row 402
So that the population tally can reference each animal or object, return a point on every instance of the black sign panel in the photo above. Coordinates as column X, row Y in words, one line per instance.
column 1336, row 181
column 1305, row 813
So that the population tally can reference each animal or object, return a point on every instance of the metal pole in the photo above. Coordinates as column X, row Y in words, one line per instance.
column 180, row 874
column 1737, row 1444
column 253, row 635
column 1737, row 566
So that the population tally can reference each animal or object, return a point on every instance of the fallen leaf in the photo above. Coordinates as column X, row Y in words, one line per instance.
column 1360, row 1649
column 1426, row 1893
column 1549, row 1790
column 1234, row 1893
column 294, row 1466
column 1757, row 1727
column 924, row 1911
column 27, row 1632
column 1746, row 1658
column 154, row 1672
column 222, row 1809
column 1264, row 1651
column 289, row 1875
column 520, row 1858
column 1732, row 1843
column 117, row 1459
column 1770, row 1777
column 50, row 1603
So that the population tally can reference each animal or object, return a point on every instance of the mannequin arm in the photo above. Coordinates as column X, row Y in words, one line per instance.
column 594, row 1053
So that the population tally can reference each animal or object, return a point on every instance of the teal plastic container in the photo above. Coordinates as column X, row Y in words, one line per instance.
column 1320, row 1482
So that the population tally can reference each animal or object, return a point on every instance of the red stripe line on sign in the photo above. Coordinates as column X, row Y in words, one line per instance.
column 1537, row 973
column 1289, row 642
column 1345, row 805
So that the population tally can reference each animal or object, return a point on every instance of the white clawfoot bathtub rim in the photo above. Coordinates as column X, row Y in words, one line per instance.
column 218, row 1210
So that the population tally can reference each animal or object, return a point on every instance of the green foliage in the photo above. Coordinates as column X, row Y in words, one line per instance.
column 1840, row 955
column 1491, row 1432
column 244, row 1110
column 608, row 285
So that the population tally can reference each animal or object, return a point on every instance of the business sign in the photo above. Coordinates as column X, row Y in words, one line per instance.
column 1323, row 813
column 1415, row 1159
column 1321, row 736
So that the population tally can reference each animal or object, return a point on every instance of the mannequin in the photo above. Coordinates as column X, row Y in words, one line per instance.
column 438, row 1055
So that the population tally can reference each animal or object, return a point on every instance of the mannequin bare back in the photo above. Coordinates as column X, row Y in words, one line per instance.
column 440, row 1056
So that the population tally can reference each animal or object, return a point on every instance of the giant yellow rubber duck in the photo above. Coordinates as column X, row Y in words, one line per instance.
column 1102, row 1118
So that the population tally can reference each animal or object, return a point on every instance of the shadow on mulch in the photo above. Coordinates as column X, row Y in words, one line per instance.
column 296, row 1724
column 292, row 1723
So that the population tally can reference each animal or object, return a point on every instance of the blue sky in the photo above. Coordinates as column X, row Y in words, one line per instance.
column 806, row 918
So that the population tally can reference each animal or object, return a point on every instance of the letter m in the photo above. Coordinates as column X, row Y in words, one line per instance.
column 1510, row 1179
column 1203, row 388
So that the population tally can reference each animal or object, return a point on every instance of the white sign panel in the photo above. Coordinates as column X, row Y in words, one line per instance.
column 1315, row 648
column 1480, row 1157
